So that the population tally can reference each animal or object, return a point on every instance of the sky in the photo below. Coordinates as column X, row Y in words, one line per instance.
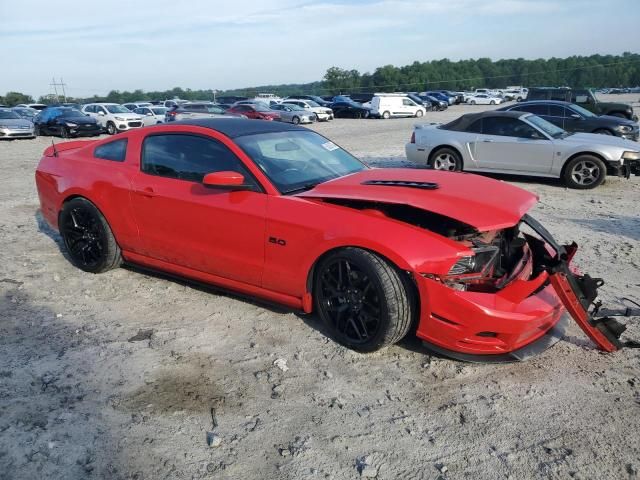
column 208, row 44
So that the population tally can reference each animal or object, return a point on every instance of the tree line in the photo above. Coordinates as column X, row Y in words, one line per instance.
column 592, row 71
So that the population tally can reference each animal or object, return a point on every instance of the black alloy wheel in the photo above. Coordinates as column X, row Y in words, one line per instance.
column 88, row 237
column 362, row 299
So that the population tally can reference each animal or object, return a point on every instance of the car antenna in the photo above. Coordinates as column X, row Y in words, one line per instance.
column 55, row 152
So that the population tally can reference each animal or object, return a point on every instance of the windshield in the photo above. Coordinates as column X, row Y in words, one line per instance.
column 26, row 112
column 293, row 106
column 547, row 127
column 258, row 107
column 313, row 104
column 159, row 111
column 298, row 160
column 7, row 114
column 215, row 110
column 582, row 111
column 117, row 109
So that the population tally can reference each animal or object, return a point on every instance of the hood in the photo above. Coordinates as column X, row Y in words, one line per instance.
column 15, row 122
column 618, row 120
column 481, row 202
column 80, row 120
column 606, row 140
column 128, row 116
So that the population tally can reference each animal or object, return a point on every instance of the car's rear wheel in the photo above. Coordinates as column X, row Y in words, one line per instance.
column 362, row 299
column 446, row 159
column 111, row 128
column 386, row 115
column 603, row 131
column 585, row 172
column 87, row 237
column 419, row 113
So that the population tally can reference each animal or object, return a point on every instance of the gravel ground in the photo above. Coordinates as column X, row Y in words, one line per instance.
column 122, row 375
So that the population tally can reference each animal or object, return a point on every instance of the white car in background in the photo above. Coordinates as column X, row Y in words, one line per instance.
column 324, row 114
column 114, row 118
column 133, row 105
column 484, row 99
column 387, row 105
column 151, row 115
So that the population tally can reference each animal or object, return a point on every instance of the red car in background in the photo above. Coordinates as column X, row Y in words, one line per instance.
column 255, row 111
column 280, row 212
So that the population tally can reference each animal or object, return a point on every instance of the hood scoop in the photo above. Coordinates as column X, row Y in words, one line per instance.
column 403, row 183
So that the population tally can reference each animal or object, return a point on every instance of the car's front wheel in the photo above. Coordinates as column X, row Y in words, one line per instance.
column 363, row 300
column 87, row 237
column 386, row 115
column 419, row 113
column 472, row 102
column 111, row 128
column 585, row 172
column 295, row 120
column 446, row 159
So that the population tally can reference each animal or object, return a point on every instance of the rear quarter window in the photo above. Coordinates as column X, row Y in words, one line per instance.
column 115, row 151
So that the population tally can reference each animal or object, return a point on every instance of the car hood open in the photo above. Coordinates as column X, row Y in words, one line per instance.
column 481, row 202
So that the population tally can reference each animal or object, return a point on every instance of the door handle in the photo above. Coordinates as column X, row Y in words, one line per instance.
column 146, row 192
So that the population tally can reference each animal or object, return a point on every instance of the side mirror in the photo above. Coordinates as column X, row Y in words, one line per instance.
column 226, row 180
column 149, row 114
column 101, row 114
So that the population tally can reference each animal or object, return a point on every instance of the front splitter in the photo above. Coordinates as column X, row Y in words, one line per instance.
column 536, row 347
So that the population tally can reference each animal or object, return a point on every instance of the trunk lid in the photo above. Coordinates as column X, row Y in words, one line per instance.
column 481, row 202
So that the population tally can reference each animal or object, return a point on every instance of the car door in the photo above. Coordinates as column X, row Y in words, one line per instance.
column 508, row 143
column 572, row 121
column 101, row 115
column 185, row 223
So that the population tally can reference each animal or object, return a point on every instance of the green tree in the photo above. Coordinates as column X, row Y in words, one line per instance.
column 14, row 98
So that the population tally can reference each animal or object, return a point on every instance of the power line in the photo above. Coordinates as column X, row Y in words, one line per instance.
column 55, row 86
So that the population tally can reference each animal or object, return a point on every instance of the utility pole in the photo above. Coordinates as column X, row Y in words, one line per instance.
column 55, row 86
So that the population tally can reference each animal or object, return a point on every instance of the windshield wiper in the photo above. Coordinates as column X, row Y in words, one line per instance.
column 303, row 188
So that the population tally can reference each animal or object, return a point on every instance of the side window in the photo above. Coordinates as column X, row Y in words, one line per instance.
column 557, row 111
column 116, row 150
column 101, row 110
column 475, row 127
column 188, row 157
column 507, row 127
column 407, row 102
column 536, row 109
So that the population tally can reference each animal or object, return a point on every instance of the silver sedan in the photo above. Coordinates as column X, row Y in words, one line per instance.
column 523, row 144
column 293, row 113
column 13, row 126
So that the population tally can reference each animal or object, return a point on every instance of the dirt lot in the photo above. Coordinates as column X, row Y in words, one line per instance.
column 117, row 375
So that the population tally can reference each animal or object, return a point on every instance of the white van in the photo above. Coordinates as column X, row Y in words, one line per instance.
column 387, row 105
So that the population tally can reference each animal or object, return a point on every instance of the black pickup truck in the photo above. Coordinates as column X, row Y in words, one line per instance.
column 583, row 97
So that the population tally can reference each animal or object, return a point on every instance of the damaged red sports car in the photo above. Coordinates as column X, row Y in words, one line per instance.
column 280, row 212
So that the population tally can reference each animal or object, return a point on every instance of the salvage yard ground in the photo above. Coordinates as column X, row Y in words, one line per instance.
column 122, row 375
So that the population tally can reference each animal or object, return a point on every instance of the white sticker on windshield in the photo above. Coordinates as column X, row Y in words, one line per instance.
column 330, row 146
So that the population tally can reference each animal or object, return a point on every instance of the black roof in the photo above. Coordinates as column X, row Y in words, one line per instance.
column 238, row 127
column 535, row 102
column 461, row 124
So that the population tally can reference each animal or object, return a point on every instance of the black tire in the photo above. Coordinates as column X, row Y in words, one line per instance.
column 584, row 172
column 446, row 158
column 87, row 237
column 362, row 299
column 296, row 120
column 492, row 102
column 603, row 131
column 419, row 113
column 64, row 132
column 386, row 115
column 472, row 102
column 111, row 128
column 36, row 131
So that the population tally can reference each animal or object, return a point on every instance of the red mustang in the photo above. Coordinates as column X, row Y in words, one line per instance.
column 255, row 111
column 280, row 212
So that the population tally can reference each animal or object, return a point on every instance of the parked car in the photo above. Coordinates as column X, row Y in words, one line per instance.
column 585, row 98
column 362, row 97
column 438, row 105
column 441, row 96
column 132, row 106
column 375, row 253
column 255, row 111
column 574, row 118
column 65, row 122
column 428, row 106
column 517, row 94
column 112, row 117
column 523, row 144
column 25, row 112
column 484, row 99
column 174, row 103
column 385, row 105
column 37, row 106
column 322, row 113
column 194, row 110
column 14, row 126
column 151, row 115
column 294, row 113
column 457, row 97
column 314, row 98
column 349, row 109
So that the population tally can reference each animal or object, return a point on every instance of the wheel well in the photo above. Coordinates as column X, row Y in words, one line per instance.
column 440, row 147
column 408, row 278
column 593, row 154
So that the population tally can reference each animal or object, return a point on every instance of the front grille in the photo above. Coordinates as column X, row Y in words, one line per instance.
column 135, row 124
